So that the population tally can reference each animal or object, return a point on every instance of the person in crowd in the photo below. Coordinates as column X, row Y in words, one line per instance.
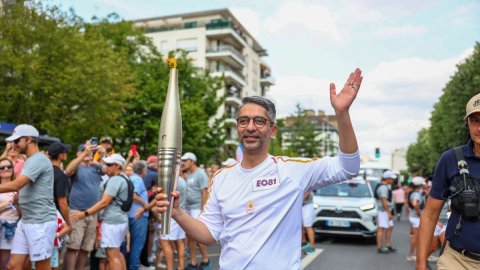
column 398, row 195
column 151, row 181
column 175, row 240
column 259, row 200
column 384, row 216
column 129, row 170
column 114, row 220
column 308, row 215
column 9, row 211
column 138, row 226
column 416, row 201
column 462, row 250
column 36, row 229
column 197, row 195
column 84, row 192
column 106, row 146
column 17, row 159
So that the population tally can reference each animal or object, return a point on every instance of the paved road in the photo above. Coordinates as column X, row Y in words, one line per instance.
column 338, row 253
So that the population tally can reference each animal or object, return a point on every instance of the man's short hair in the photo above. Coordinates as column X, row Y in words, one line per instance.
column 139, row 166
column 264, row 102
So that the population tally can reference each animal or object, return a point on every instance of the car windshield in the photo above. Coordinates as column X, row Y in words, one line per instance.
column 357, row 190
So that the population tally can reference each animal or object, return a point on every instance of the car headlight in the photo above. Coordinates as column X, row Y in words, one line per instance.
column 367, row 207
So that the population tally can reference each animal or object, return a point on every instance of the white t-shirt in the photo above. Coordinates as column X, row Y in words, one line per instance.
column 256, row 214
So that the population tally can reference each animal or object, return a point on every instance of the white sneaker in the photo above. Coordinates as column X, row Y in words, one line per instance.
column 432, row 258
column 142, row 267
column 411, row 258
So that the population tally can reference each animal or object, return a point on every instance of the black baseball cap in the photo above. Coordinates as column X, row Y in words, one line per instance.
column 57, row 148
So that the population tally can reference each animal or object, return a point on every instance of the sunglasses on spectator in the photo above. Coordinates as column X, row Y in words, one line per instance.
column 109, row 164
column 7, row 167
column 17, row 140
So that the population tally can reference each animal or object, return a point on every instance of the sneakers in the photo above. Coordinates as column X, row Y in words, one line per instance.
column 383, row 250
column 161, row 265
column 391, row 249
column 432, row 258
column 191, row 267
column 309, row 250
column 411, row 258
column 205, row 265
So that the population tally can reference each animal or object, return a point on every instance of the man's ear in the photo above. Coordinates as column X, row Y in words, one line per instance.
column 274, row 131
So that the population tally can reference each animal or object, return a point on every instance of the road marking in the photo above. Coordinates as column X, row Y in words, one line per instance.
column 310, row 257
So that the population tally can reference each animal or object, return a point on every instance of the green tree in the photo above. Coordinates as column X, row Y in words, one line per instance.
column 198, row 93
column 447, row 128
column 57, row 78
column 303, row 136
column 419, row 155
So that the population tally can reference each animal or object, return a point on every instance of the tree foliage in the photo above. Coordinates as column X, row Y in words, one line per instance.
column 303, row 136
column 106, row 77
column 447, row 128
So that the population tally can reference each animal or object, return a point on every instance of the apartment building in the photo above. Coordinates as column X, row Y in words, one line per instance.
column 325, row 126
column 217, row 41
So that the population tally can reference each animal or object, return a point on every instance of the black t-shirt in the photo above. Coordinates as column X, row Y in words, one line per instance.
column 60, row 184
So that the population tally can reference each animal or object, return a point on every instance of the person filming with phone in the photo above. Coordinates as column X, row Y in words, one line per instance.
column 85, row 178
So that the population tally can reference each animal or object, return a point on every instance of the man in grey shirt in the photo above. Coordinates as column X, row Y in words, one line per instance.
column 197, row 195
column 36, row 230
column 383, row 194
column 114, row 220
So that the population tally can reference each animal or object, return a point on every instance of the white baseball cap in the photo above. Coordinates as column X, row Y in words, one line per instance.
column 22, row 130
column 229, row 162
column 389, row 175
column 114, row 159
column 189, row 155
column 418, row 181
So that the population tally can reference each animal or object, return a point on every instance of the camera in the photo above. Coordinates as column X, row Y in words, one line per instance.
column 94, row 141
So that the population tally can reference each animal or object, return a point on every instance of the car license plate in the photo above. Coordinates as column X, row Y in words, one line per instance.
column 338, row 223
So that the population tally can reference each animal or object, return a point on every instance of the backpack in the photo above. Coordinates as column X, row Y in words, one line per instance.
column 375, row 194
column 127, row 204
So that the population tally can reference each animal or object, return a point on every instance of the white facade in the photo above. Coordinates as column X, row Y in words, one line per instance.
column 216, row 41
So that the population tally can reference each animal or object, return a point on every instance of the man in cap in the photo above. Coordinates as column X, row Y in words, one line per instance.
column 105, row 148
column 58, row 154
column 114, row 219
column 84, row 192
column 36, row 230
column 462, row 250
column 197, row 195
column 383, row 194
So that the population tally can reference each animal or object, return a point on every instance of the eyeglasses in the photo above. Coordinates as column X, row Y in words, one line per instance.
column 17, row 140
column 258, row 121
column 109, row 164
column 6, row 167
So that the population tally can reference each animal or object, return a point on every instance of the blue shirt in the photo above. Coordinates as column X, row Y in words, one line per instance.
column 445, row 173
column 85, row 190
column 150, row 178
column 141, row 191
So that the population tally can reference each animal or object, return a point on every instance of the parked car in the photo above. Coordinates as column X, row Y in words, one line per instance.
column 346, row 208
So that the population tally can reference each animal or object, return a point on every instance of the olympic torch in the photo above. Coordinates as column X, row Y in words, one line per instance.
column 170, row 143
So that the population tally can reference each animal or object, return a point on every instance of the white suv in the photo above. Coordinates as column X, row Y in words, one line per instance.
column 346, row 208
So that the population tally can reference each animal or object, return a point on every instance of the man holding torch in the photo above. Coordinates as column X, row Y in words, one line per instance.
column 258, row 201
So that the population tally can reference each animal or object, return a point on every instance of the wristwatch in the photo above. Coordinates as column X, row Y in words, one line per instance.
column 86, row 213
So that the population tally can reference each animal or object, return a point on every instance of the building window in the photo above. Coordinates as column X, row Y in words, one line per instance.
column 189, row 45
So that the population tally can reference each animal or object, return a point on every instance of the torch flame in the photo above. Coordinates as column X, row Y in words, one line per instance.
column 172, row 62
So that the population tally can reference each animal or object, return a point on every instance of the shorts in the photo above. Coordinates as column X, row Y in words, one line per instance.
column 195, row 213
column 84, row 233
column 113, row 235
column 308, row 215
column 6, row 244
column 383, row 221
column 439, row 230
column 415, row 222
column 176, row 232
column 34, row 239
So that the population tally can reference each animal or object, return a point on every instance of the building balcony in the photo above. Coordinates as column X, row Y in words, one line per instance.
column 267, row 80
column 227, row 54
column 224, row 31
column 233, row 100
column 231, row 75
column 230, row 122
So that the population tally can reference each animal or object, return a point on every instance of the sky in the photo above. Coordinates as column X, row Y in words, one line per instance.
column 408, row 50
